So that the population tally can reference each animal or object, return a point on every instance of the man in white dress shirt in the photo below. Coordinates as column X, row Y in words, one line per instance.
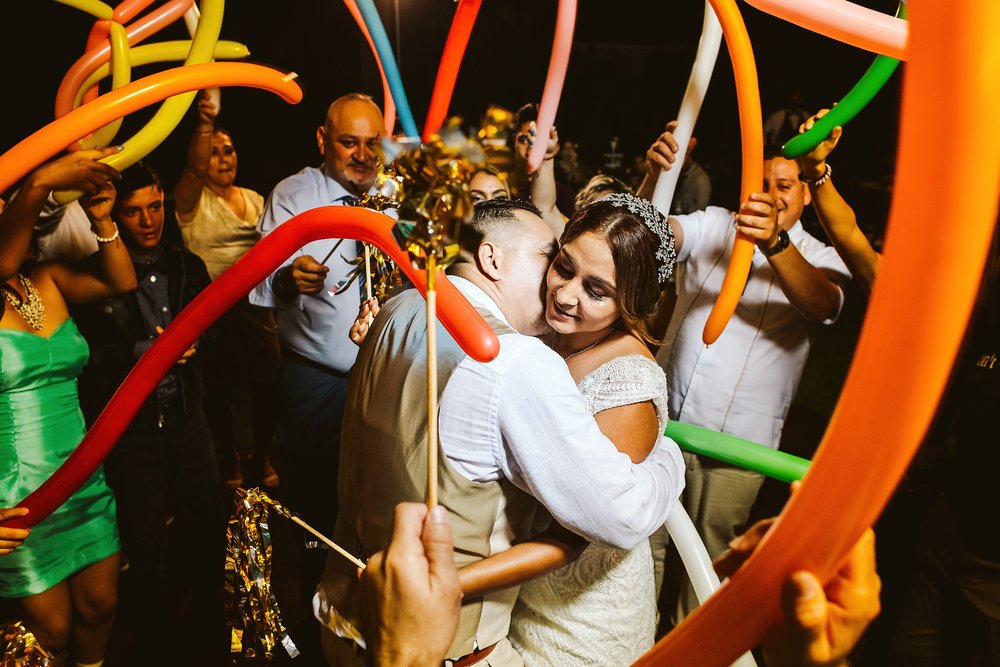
column 742, row 384
column 513, row 430
column 312, row 322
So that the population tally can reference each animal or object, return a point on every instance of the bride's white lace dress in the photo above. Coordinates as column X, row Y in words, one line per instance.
column 598, row 610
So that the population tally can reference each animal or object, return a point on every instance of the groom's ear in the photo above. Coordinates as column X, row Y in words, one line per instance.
column 489, row 259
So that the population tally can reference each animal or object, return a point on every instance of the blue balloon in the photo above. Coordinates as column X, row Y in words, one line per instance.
column 370, row 15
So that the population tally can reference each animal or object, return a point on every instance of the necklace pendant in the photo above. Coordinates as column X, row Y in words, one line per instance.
column 31, row 309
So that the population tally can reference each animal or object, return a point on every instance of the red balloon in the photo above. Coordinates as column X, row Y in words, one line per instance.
column 451, row 61
column 458, row 316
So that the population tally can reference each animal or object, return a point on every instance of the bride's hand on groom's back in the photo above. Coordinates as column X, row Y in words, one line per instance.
column 359, row 330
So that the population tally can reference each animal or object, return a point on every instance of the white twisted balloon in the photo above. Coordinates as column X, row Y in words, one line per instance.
column 698, row 564
column 701, row 74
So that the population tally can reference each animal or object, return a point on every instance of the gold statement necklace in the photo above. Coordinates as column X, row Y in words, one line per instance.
column 30, row 308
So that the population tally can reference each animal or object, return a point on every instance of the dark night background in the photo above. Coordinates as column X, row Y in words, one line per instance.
column 627, row 74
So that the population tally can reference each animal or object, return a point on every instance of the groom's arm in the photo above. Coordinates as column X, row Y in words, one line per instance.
column 553, row 449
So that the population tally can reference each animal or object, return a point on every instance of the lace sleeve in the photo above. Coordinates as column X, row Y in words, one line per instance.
column 625, row 381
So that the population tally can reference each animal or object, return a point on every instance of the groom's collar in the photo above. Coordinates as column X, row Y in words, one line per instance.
column 477, row 297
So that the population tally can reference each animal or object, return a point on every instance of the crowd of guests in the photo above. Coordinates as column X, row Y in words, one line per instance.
column 549, row 543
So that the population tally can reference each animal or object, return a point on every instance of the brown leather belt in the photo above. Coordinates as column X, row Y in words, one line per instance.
column 472, row 658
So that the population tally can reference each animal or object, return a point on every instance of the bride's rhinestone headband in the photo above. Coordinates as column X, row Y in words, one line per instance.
column 666, row 254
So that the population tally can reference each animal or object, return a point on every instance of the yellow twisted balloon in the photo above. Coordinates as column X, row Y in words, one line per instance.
column 121, row 67
column 161, row 52
column 171, row 111
column 95, row 8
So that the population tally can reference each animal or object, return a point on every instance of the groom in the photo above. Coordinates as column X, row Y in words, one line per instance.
column 513, row 430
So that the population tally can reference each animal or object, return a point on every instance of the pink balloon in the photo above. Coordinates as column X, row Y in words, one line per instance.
column 561, row 45
column 845, row 22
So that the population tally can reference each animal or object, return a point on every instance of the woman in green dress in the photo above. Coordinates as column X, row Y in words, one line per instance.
column 66, row 575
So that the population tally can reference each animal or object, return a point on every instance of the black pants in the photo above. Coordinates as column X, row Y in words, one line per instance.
column 310, row 411
column 160, row 476
column 240, row 374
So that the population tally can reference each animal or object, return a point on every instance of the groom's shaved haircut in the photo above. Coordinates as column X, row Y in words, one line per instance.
column 495, row 219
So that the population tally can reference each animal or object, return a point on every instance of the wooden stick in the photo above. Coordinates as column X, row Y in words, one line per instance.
column 327, row 541
column 368, row 270
column 332, row 250
column 432, row 388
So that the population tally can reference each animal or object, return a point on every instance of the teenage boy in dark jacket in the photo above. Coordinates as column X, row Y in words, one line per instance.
column 163, row 469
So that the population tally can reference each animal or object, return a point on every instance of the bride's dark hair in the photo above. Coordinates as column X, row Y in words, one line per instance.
column 633, row 249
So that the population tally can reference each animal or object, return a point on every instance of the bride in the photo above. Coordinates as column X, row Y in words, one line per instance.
column 615, row 257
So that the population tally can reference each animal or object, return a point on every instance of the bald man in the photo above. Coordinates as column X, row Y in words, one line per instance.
column 313, row 325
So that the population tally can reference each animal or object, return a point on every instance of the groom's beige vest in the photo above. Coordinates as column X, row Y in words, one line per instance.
column 383, row 461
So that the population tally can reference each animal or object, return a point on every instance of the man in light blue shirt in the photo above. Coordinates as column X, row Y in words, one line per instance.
column 313, row 324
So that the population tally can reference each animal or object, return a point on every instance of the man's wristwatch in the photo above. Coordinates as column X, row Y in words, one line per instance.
column 280, row 284
column 781, row 244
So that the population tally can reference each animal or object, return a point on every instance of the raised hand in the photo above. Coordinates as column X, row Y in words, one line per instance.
column 813, row 163
column 304, row 276
column 98, row 205
column 663, row 153
column 80, row 170
column 207, row 112
column 758, row 218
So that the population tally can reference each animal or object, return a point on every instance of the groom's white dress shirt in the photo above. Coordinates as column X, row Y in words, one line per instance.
column 522, row 417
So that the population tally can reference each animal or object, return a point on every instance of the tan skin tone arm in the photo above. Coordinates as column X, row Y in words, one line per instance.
column 192, row 180
column 808, row 289
column 76, row 171
column 835, row 214
column 634, row 430
column 116, row 273
column 543, row 185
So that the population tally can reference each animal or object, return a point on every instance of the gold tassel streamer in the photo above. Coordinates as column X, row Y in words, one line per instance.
column 19, row 648
column 251, row 608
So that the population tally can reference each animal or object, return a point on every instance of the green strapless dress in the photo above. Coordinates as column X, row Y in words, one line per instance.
column 40, row 425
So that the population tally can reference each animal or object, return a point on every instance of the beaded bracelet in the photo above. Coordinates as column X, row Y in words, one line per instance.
column 106, row 239
column 817, row 181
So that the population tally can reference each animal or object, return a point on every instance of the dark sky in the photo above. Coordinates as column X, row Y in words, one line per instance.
column 629, row 65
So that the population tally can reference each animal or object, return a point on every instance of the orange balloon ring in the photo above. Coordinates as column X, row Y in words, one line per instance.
column 922, row 299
